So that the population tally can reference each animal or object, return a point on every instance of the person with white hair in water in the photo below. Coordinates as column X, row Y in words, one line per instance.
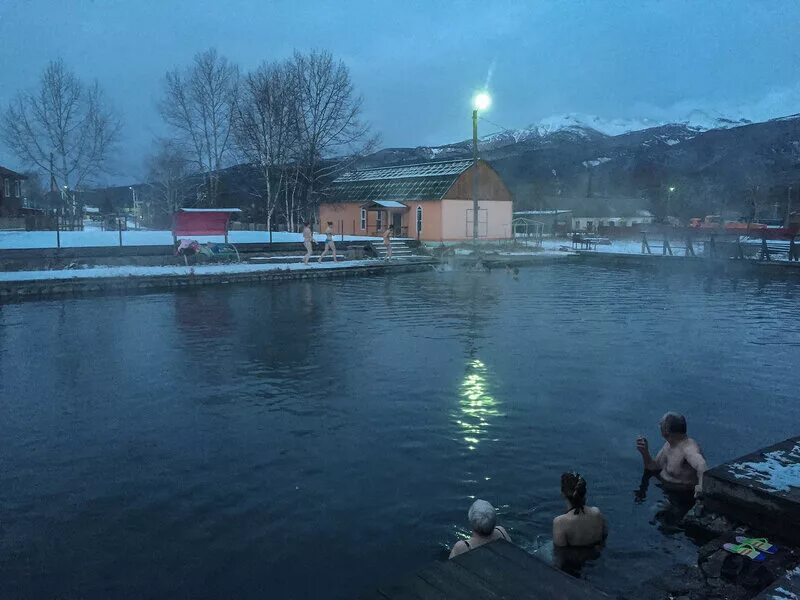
column 483, row 521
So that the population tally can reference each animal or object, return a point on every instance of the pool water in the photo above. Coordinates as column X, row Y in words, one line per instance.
column 311, row 439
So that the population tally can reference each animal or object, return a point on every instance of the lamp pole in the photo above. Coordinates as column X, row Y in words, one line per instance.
column 669, row 199
column 475, row 176
column 481, row 102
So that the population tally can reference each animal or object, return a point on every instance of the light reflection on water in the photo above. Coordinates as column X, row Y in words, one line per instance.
column 477, row 405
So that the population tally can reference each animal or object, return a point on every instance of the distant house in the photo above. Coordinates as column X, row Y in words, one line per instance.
column 599, row 223
column 553, row 221
column 430, row 201
column 10, row 192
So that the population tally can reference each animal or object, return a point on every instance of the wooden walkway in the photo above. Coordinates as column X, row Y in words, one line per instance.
column 493, row 571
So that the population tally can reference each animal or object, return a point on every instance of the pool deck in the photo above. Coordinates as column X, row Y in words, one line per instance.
column 76, row 281
column 493, row 571
column 700, row 263
column 761, row 489
column 785, row 588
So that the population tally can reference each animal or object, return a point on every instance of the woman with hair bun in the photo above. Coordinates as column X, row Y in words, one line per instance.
column 581, row 525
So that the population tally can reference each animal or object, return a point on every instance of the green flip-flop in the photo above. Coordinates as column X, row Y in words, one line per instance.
column 762, row 544
column 744, row 550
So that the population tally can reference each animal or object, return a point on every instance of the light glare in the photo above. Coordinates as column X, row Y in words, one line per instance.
column 482, row 101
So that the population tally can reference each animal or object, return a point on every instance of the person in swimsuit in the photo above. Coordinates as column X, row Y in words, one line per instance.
column 329, row 245
column 482, row 519
column 581, row 525
column 387, row 241
column 308, row 238
column 680, row 463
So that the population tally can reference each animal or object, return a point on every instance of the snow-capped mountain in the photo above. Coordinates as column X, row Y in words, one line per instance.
column 582, row 124
column 713, row 159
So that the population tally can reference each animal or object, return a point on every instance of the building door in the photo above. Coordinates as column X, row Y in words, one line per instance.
column 483, row 223
column 397, row 223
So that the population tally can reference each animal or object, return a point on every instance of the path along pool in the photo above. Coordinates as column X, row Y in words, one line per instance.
column 310, row 439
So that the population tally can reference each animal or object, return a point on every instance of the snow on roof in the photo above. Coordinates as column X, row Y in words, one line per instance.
column 389, row 204
column 431, row 169
column 555, row 211
column 427, row 181
column 210, row 210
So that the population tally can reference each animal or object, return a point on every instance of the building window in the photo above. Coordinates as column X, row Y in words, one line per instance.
column 379, row 220
column 363, row 219
column 17, row 188
column 419, row 219
column 589, row 225
column 6, row 188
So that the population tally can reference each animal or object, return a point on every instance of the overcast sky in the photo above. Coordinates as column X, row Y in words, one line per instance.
column 417, row 63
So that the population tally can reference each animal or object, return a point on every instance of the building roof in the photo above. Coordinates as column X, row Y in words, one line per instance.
column 388, row 204
column 555, row 212
column 426, row 181
column 210, row 210
column 9, row 173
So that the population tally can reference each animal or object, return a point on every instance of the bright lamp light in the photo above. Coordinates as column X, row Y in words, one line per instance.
column 482, row 101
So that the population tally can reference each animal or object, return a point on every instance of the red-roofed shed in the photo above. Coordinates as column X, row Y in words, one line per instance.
column 190, row 222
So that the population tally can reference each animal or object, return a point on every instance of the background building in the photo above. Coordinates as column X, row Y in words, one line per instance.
column 10, row 192
column 430, row 202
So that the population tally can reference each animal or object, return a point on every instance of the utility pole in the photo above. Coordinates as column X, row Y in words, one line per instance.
column 788, row 207
column 480, row 102
column 475, row 176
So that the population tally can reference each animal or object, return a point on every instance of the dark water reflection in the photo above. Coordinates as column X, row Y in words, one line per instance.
column 309, row 439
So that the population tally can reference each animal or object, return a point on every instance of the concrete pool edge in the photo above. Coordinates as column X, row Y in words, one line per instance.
column 698, row 263
column 44, row 288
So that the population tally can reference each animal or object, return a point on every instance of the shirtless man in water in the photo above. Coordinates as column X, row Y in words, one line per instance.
column 680, row 463
column 308, row 238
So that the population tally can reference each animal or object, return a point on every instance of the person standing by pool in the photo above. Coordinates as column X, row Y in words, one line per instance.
column 387, row 241
column 329, row 245
column 308, row 239
column 482, row 519
column 680, row 463
column 581, row 525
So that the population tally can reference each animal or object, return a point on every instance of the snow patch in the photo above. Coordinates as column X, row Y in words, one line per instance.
column 779, row 471
column 596, row 162
column 672, row 142
column 199, row 270
column 780, row 593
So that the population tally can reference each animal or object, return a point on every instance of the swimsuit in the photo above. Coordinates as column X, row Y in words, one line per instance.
column 497, row 529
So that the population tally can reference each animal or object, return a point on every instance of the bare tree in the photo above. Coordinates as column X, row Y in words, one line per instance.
column 64, row 127
column 167, row 177
column 329, row 119
column 199, row 104
column 266, row 132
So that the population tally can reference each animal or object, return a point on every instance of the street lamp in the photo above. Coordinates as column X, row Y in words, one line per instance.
column 481, row 101
column 669, row 198
column 135, row 207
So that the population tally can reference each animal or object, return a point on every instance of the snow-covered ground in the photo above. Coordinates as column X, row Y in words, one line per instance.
column 200, row 270
column 616, row 246
column 97, row 238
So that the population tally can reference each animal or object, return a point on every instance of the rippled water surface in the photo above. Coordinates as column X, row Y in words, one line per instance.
column 310, row 439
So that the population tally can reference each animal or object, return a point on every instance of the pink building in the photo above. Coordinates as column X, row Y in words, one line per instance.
column 430, row 202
